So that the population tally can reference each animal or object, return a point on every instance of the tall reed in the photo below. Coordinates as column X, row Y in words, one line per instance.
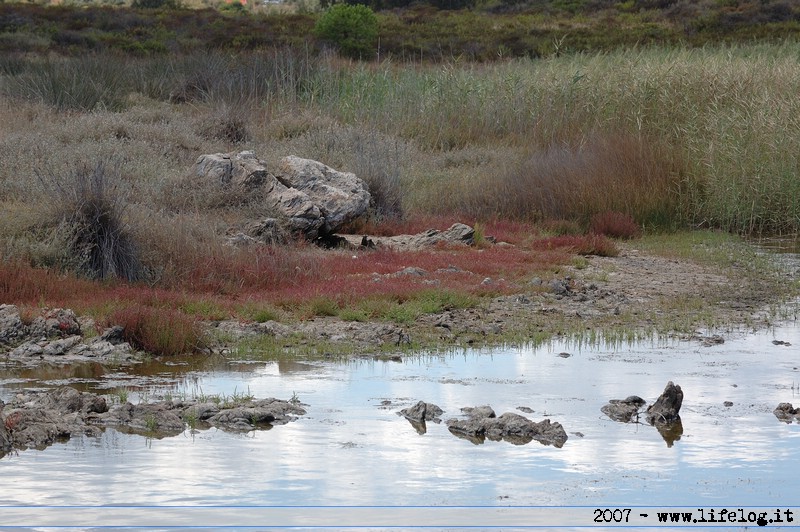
column 670, row 136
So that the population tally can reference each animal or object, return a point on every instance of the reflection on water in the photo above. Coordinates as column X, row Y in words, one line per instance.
column 787, row 244
column 353, row 448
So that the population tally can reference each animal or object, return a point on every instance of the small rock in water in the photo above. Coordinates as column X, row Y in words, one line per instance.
column 787, row 413
column 623, row 410
column 714, row 339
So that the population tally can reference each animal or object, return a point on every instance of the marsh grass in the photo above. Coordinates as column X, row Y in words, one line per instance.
column 86, row 83
column 668, row 136
column 122, row 395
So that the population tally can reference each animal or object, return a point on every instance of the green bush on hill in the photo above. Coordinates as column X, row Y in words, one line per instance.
column 353, row 29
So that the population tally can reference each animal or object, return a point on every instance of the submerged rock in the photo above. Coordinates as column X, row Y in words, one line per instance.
column 38, row 419
column 624, row 410
column 787, row 413
column 251, row 414
column 156, row 419
column 483, row 423
column 423, row 411
column 663, row 414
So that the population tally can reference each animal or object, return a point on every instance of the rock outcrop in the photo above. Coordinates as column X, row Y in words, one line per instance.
column 310, row 199
column 457, row 234
column 482, row 423
column 12, row 330
column 56, row 336
column 34, row 420
column 241, row 169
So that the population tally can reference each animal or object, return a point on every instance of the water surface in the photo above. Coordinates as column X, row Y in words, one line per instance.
column 353, row 449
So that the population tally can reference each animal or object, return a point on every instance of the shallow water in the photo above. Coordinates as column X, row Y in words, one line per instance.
column 353, row 449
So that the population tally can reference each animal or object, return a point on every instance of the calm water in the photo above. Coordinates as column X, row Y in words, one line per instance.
column 353, row 449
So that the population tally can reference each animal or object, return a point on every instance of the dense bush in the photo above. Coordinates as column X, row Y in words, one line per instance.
column 90, row 211
column 353, row 29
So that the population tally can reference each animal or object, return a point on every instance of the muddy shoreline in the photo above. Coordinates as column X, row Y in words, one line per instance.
column 632, row 295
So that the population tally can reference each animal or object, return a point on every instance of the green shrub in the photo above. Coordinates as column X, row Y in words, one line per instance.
column 353, row 29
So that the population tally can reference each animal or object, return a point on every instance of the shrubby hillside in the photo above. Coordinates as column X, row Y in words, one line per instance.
column 432, row 30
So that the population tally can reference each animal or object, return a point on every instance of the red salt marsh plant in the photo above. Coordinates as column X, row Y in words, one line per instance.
column 21, row 283
column 615, row 225
column 157, row 330
column 291, row 282
column 591, row 244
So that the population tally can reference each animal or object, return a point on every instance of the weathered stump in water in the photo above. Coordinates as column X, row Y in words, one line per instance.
column 667, row 407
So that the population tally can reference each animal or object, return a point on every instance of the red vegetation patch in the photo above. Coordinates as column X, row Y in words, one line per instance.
column 23, row 284
column 162, row 320
column 591, row 244
column 231, row 271
column 615, row 224
column 158, row 331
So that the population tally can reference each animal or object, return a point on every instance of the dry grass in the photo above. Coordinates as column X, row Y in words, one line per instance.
column 665, row 138
column 605, row 172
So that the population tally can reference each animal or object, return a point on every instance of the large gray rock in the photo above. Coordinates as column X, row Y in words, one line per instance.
column 340, row 196
column 301, row 215
column 312, row 200
column 241, row 169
